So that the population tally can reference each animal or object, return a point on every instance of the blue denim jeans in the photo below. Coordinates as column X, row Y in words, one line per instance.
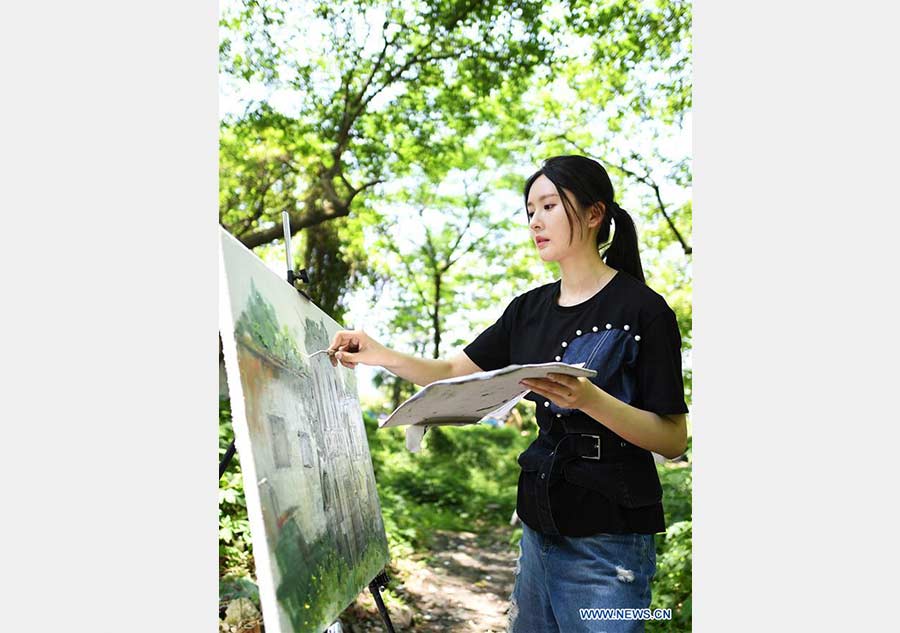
column 557, row 576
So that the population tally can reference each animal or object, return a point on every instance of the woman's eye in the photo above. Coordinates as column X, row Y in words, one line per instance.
column 547, row 207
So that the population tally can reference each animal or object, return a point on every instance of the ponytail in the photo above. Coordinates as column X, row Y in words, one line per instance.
column 622, row 253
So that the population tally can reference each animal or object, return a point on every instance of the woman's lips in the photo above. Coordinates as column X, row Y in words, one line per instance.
column 542, row 242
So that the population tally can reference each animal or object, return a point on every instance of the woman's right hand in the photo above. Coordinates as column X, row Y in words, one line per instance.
column 355, row 346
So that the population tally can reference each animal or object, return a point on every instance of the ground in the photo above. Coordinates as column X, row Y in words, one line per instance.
column 461, row 583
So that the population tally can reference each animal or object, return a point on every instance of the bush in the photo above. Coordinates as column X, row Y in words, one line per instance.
column 672, row 584
column 464, row 479
column 236, row 579
column 235, row 548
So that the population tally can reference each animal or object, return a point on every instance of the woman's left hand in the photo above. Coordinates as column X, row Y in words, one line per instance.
column 568, row 392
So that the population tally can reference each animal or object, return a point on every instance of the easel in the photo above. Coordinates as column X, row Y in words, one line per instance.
column 381, row 580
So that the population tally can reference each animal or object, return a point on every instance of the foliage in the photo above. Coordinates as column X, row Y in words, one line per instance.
column 454, row 244
column 235, row 549
column 344, row 104
column 233, row 587
column 364, row 104
column 672, row 584
column 330, row 266
column 463, row 479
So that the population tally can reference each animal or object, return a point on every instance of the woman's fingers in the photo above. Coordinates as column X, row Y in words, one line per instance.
column 337, row 339
column 340, row 338
column 345, row 345
column 547, row 388
column 564, row 379
column 349, row 340
column 338, row 342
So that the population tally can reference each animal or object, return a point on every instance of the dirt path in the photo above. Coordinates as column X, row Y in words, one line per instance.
column 462, row 584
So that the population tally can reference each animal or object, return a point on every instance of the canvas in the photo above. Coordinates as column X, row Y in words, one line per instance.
column 315, row 519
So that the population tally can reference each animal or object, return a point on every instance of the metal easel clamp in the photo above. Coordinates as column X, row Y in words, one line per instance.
column 292, row 276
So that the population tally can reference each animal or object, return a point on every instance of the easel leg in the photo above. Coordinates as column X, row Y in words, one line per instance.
column 381, row 581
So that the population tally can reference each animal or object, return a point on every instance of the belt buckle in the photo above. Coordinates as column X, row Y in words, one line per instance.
column 597, row 458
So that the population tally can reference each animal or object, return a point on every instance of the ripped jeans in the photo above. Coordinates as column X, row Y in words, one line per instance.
column 558, row 576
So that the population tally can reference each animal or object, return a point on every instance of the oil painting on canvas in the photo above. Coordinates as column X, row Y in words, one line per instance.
column 318, row 536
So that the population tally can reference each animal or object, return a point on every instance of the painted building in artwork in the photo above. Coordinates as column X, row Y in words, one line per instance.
column 314, row 468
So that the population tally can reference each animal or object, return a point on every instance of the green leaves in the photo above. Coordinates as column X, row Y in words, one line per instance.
column 464, row 478
column 672, row 586
column 365, row 102
column 235, row 549
column 398, row 137
column 352, row 113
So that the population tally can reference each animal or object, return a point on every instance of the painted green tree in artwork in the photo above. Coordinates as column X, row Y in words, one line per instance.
column 258, row 324
column 315, row 578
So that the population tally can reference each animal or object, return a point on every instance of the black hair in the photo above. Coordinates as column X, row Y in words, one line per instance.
column 588, row 182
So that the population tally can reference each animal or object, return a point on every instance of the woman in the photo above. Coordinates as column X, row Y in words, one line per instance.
column 588, row 495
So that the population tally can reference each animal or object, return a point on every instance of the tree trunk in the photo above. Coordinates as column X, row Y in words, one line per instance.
column 435, row 318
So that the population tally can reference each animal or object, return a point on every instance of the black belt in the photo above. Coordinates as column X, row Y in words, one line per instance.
column 586, row 446
column 574, row 446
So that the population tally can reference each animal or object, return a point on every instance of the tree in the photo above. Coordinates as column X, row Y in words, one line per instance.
column 371, row 101
column 453, row 244
column 348, row 98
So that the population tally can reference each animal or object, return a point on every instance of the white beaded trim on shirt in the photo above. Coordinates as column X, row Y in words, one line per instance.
column 578, row 333
column 595, row 328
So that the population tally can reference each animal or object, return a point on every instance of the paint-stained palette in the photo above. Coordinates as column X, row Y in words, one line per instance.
column 315, row 518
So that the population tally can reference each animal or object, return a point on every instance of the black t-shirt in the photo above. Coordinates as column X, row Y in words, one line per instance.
column 626, row 332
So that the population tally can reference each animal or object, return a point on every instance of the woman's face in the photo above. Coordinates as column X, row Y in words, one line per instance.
column 548, row 221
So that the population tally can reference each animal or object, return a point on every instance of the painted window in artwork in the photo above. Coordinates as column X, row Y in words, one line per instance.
column 280, row 447
column 306, row 452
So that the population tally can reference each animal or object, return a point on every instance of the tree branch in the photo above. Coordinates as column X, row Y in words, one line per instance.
column 645, row 180
column 473, row 209
column 648, row 181
column 311, row 216
column 393, row 248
